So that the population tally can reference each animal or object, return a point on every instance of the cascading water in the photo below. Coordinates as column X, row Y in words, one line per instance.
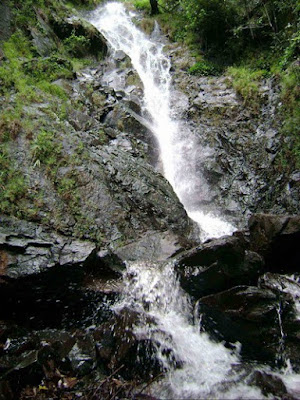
column 179, row 151
column 195, row 366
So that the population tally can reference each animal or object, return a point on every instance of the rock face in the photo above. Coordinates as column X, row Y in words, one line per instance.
column 28, row 249
column 5, row 20
column 277, row 239
column 240, row 143
column 218, row 265
column 248, row 315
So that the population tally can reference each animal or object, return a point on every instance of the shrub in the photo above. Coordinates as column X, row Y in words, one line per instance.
column 45, row 150
column 76, row 45
column 204, row 68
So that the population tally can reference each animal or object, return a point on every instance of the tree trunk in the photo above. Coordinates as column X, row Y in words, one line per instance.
column 154, row 7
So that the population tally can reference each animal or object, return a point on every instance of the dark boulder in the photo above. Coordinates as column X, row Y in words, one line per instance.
column 270, row 384
column 277, row 239
column 284, row 286
column 218, row 265
column 120, row 348
column 251, row 316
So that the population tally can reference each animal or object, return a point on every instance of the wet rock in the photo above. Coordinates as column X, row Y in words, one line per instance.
column 83, row 355
column 287, row 287
column 277, row 238
column 119, row 55
column 119, row 347
column 153, row 246
column 251, row 316
column 47, row 356
column 43, row 43
column 244, row 141
column 218, row 265
column 28, row 249
column 270, row 384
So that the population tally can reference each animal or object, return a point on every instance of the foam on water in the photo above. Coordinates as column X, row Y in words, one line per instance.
column 197, row 367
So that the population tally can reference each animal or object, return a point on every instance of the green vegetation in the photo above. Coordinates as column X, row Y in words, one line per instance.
column 204, row 68
column 12, row 184
column 42, row 49
column 246, row 84
column 142, row 5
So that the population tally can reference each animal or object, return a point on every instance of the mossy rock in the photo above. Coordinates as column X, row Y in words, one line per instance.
column 69, row 29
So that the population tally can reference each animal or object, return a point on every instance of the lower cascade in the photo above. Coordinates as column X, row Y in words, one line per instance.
column 196, row 367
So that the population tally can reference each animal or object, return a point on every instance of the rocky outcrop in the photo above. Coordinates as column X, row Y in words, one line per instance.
column 240, row 298
column 218, row 265
column 29, row 249
column 241, row 144
column 277, row 238
column 251, row 316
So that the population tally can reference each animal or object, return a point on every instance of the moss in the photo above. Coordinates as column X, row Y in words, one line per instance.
column 246, row 83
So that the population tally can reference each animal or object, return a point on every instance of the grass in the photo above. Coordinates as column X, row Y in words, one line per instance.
column 290, row 97
column 13, row 186
column 246, row 82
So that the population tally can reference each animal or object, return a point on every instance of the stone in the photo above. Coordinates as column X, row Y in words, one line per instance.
column 218, row 265
column 65, row 26
column 83, row 355
column 270, row 384
column 5, row 20
column 119, row 347
column 27, row 249
column 249, row 315
column 277, row 239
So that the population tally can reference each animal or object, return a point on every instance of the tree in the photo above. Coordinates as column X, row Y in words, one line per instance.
column 154, row 7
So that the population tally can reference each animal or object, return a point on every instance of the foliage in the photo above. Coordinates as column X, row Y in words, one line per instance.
column 50, row 68
column 204, row 68
column 246, row 83
column 228, row 28
column 12, row 184
column 45, row 150
column 142, row 4
column 10, row 124
column 76, row 44
column 290, row 96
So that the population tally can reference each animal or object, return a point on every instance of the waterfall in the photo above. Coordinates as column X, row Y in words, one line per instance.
column 179, row 150
column 196, row 367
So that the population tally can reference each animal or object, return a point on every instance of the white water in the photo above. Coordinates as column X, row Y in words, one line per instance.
column 207, row 370
column 179, row 151
column 197, row 368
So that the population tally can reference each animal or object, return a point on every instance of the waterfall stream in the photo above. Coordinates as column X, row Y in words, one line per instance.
column 196, row 366
column 179, row 151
